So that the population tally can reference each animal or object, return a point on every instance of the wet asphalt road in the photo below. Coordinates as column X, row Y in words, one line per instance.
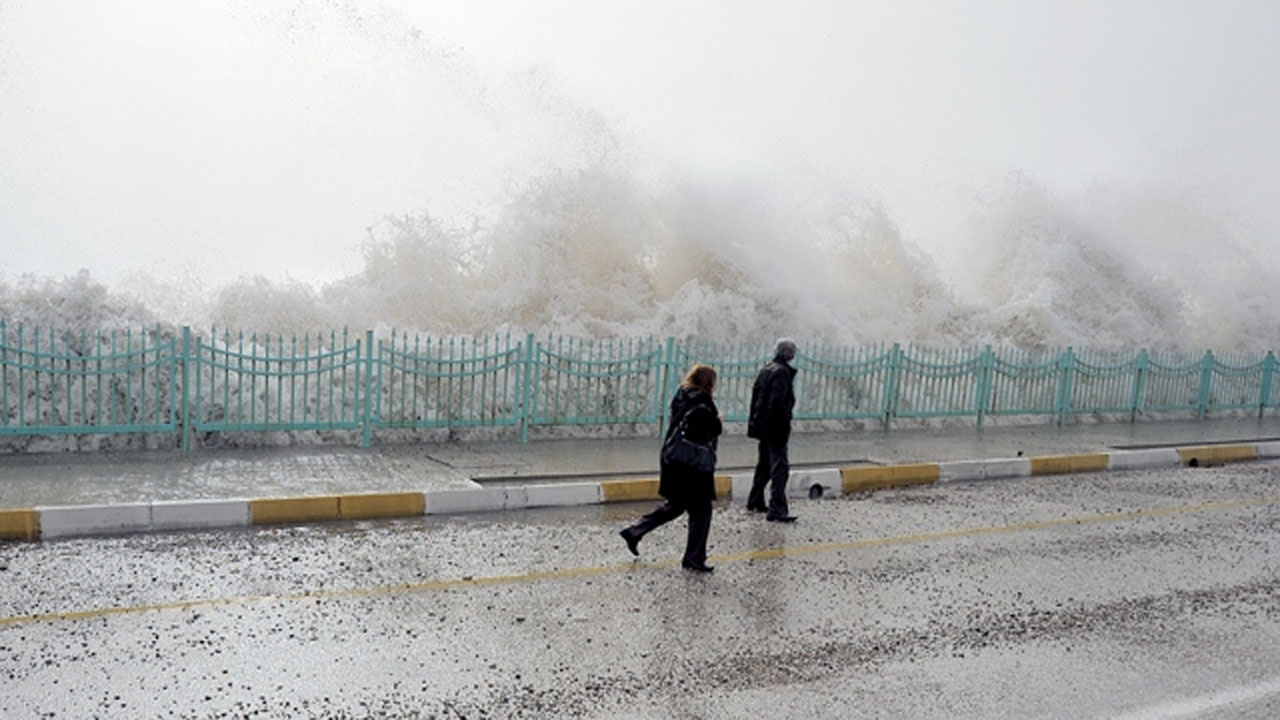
column 1128, row 594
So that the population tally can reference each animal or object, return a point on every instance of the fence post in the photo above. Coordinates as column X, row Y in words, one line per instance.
column 1139, row 384
column 526, row 391
column 664, row 381
column 367, row 420
column 987, row 363
column 1206, row 380
column 1066, row 362
column 1268, row 371
column 184, row 396
column 891, row 385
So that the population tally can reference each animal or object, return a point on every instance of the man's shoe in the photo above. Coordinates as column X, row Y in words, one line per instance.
column 697, row 567
column 632, row 541
column 781, row 518
column 757, row 508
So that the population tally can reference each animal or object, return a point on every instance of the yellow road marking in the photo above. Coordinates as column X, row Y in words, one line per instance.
column 591, row 571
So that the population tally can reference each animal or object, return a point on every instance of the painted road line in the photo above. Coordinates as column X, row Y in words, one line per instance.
column 1065, row 464
column 998, row 529
column 1202, row 455
column 634, row 566
column 878, row 477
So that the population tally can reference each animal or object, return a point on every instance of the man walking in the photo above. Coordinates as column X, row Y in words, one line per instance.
column 772, row 398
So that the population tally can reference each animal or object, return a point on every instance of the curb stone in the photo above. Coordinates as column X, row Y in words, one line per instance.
column 66, row 521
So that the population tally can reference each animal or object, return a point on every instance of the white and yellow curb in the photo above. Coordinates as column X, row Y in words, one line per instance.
column 970, row 470
column 802, row 483
column 52, row 522
column 60, row 522
column 1268, row 449
column 1143, row 459
column 198, row 514
column 448, row 502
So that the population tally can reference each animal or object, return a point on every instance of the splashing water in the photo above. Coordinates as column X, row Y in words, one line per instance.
column 578, row 230
column 593, row 254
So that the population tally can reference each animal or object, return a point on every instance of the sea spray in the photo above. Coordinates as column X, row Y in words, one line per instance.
column 600, row 253
column 500, row 198
column 1118, row 269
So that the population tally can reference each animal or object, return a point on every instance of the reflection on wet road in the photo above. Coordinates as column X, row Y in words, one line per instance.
column 1073, row 596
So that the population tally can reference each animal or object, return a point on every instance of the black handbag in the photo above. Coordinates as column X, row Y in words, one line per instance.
column 680, row 451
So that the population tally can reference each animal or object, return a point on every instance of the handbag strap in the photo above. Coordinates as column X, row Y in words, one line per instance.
column 683, row 427
column 678, row 427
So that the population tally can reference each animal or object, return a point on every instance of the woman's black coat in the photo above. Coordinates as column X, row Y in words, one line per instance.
column 680, row 484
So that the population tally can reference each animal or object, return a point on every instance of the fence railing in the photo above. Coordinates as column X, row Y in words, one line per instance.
column 176, row 380
column 77, row 383
column 263, row 383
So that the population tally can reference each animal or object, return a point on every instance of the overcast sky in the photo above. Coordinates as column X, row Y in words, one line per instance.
column 246, row 137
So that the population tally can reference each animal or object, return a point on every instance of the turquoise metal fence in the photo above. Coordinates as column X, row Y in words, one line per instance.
column 1100, row 383
column 736, row 367
column 448, row 382
column 1235, row 382
column 265, row 383
column 572, row 381
column 105, row 383
column 936, row 383
column 1172, row 383
column 164, row 381
column 1023, row 383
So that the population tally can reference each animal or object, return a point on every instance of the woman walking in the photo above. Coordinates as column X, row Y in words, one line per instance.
column 685, row 489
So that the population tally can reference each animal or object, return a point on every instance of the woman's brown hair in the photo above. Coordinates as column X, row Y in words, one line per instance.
column 702, row 377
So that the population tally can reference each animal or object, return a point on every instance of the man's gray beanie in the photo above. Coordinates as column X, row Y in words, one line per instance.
column 785, row 350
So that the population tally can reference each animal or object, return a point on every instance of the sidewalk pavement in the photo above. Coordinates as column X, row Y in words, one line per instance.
column 53, row 496
column 104, row 478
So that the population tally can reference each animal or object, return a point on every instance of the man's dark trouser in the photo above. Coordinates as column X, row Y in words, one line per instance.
column 695, row 549
column 772, row 468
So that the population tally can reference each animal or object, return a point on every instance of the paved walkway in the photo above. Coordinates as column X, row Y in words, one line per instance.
column 123, row 477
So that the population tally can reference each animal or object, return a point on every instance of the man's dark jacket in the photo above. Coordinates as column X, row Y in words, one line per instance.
column 772, row 398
